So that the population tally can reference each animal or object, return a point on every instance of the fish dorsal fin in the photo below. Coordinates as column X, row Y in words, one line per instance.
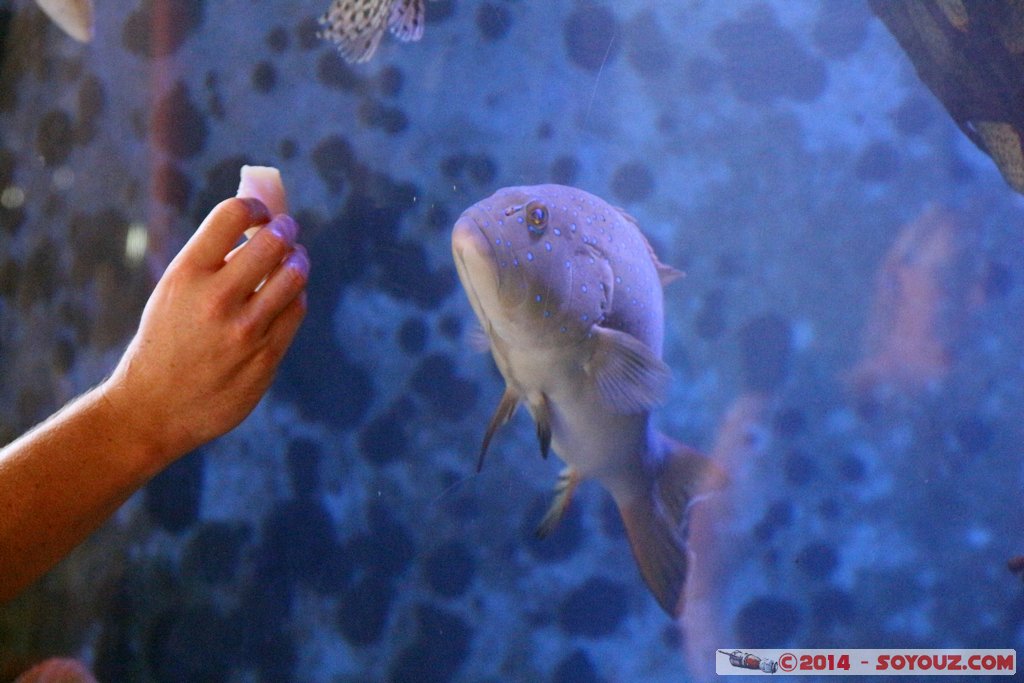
column 407, row 18
column 630, row 377
column 666, row 274
column 355, row 26
column 567, row 481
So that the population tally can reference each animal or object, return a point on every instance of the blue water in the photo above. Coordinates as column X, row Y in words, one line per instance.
column 846, row 341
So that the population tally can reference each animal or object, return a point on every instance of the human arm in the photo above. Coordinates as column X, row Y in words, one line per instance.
column 206, row 350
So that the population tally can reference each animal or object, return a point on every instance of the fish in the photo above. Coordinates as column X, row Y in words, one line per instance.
column 357, row 26
column 74, row 17
column 569, row 294
column 57, row 670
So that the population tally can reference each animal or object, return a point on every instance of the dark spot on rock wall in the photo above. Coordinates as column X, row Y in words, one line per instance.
column 288, row 149
column 765, row 350
column 648, row 50
column 42, row 276
column 412, row 336
column 334, row 159
column 264, row 77
column 493, row 21
column 172, row 187
column 390, row 81
column 767, row 622
column 178, row 126
column 300, row 545
column 54, row 137
column 442, row 644
column 560, row 544
column 173, row 497
column 565, row 170
column 406, row 274
column 879, row 162
column 777, row 517
column 831, row 606
column 765, row 62
column 221, row 182
column 448, row 395
column 306, row 31
column 974, row 434
column 632, row 182
column 817, row 560
column 374, row 114
column 363, row 609
column 335, row 73
column 799, row 468
column 385, row 439
column 915, row 114
column 278, row 39
column 592, row 37
column 576, row 668
column 449, row 569
column 790, row 422
column 92, row 102
column 158, row 29
column 840, row 29
column 709, row 322
column 304, row 467
column 595, row 608
column 193, row 643
column 213, row 555
column 440, row 10
column 851, row 468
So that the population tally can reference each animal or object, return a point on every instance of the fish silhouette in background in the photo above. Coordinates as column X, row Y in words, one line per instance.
column 569, row 294
column 925, row 288
column 356, row 26
column 74, row 17
column 57, row 670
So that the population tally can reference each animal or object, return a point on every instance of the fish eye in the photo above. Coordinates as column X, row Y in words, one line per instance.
column 536, row 217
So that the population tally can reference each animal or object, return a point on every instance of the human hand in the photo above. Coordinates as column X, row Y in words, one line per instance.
column 211, row 335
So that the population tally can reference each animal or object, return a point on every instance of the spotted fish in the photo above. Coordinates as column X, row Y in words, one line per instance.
column 569, row 294
column 356, row 26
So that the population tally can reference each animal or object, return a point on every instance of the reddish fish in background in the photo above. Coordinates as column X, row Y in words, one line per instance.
column 57, row 670
column 924, row 290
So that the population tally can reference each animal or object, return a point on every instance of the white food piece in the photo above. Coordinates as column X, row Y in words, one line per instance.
column 263, row 183
column 74, row 17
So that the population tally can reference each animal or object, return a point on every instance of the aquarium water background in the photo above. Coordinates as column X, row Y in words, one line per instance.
column 847, row 341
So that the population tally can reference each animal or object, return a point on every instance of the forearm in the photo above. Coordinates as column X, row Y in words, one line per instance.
column 62, row 480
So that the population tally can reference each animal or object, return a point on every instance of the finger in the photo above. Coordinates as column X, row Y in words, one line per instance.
column 282, row 330
column 260, row 256
column 283, row 286
column 220, row 230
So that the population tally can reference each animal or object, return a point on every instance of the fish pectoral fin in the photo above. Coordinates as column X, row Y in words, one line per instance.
column 568, row 480
column 630, row 377
column 477, row 338
column 542, row 416
column 407, row 19
column 506, row 409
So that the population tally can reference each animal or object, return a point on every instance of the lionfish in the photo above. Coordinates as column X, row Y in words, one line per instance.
column 356, row 26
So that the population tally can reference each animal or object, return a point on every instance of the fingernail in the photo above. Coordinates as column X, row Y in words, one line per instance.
column 285, row 227
column 299, row 260
column 258, row 212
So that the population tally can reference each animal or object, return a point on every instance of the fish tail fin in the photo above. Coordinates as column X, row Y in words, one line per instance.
column 656, row 521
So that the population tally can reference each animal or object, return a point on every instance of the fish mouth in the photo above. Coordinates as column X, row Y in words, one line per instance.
column 475, row 262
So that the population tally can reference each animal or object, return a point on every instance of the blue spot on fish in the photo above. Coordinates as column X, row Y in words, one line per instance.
column 529, row 256
column 558, row 231
column 547, row 246
column 537, row 298
column 583, row 288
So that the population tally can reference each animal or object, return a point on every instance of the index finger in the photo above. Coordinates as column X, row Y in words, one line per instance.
column 222, row 228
